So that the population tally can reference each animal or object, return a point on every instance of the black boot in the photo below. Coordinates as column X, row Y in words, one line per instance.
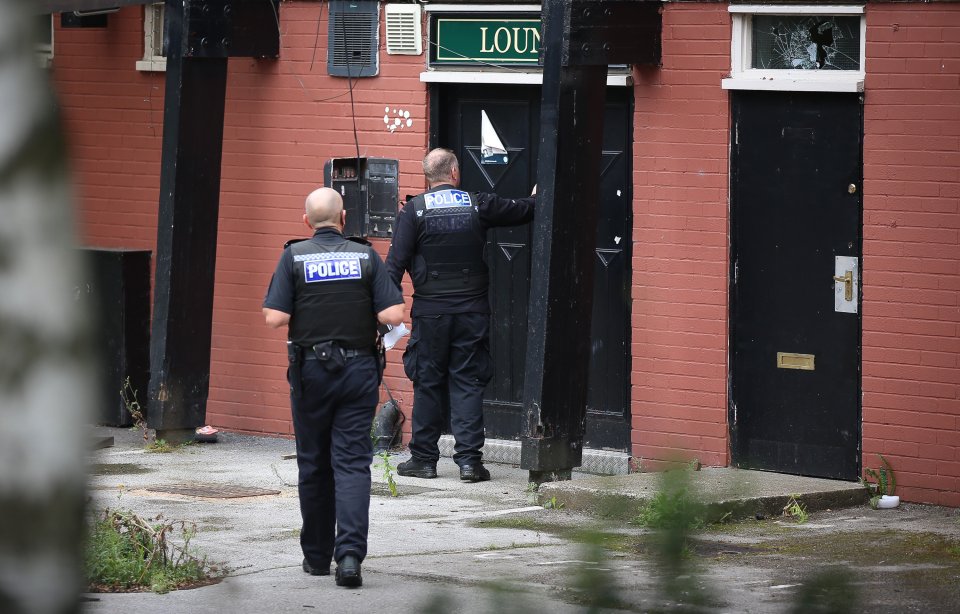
column 348, row 572
column 315, row 571
column 417, row 469
column 474, row 473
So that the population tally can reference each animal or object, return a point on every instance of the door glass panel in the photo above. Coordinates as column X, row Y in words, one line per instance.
column 806, row 42
column 491, row 147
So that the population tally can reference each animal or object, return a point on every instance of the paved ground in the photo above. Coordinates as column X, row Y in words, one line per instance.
column 445, row 546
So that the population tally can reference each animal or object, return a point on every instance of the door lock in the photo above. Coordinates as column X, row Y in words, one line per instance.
column 847, row 281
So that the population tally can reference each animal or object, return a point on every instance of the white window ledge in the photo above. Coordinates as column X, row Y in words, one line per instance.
column 791, row 81
column 505, row 78
column 786, row 9
column 152, row 65
column 482, row 8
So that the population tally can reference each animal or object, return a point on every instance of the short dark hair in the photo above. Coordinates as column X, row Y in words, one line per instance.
column 439, row 164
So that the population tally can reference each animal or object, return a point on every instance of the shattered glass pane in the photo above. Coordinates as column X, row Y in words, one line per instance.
column 806, row 42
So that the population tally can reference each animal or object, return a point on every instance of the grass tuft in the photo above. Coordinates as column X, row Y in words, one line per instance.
column 125, row 552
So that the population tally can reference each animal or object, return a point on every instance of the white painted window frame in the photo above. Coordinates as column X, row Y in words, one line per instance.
column 45, row 51
column 744, row 77
column 153, row 58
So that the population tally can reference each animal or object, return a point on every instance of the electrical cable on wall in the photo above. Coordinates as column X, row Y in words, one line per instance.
column 353, row 112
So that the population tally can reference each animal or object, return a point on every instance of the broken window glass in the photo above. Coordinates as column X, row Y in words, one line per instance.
column 806, row 42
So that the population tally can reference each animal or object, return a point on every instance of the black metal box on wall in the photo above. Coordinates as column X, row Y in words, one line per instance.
column 117, row 292
column 371, row 192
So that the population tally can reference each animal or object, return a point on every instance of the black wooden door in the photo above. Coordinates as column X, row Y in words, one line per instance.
column 795, row 208
column 514, row 113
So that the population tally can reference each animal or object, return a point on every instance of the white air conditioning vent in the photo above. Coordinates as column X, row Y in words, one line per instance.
column 403, row 29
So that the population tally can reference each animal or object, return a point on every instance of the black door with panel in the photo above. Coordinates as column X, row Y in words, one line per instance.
column 513, row 113
column 796, row 174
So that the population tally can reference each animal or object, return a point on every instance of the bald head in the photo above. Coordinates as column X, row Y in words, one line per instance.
column 440, row 166
column 323, row 208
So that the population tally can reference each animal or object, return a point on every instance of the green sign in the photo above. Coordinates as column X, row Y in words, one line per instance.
column 467, row 40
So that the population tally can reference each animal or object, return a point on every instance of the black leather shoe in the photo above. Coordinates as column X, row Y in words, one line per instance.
column 474, row 473
column 315, row 571
column 348, row 572
column 417, row 469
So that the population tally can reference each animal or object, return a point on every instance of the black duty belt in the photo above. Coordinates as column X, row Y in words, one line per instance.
column 309, row 354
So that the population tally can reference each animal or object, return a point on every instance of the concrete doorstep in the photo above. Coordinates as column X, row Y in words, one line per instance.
column 728, row 494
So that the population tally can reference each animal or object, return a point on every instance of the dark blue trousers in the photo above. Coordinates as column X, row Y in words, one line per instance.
column 448, row 361
column 332, row 420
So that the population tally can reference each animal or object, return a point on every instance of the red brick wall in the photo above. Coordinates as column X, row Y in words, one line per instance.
column 114, row 122
column 283, row 120
column 911, row 248
column 680, row 241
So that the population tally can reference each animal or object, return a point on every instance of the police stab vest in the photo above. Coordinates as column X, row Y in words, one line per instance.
column 333, row 294
column 450, row 245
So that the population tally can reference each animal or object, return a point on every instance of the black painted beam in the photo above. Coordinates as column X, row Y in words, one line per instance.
column 603, row 32
column 186, row 235
column 65, row 6
column 202, row 34
column 564, row 237
column 580, row 37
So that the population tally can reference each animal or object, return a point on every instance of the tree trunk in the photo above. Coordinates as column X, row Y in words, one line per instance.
column 46, row 374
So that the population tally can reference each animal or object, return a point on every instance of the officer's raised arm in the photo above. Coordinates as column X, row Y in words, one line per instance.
column 275, row 318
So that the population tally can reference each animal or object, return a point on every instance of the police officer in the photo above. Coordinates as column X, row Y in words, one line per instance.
column 331, row 292
column 439, row 238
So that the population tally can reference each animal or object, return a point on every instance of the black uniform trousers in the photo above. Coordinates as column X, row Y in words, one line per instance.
column 331, row 420
column 448, row 361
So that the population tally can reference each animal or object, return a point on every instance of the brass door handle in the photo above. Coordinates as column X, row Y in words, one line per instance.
column 847, row 281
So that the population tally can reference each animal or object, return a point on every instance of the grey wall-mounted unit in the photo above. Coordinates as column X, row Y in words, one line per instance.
column 354, row 35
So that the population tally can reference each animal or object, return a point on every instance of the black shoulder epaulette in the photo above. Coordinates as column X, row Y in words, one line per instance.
column 291, row 242
column 359, row 240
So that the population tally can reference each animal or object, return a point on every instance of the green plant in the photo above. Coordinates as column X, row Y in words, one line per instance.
column 129, row 396
column 673, row 506
column 127, row 552
column 387, row 468
column 884, row 481
column 553, row 504
column 796, row 510
column 161, row 446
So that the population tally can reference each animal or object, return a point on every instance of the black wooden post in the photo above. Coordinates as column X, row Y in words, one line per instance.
column 200, row 37
column 186, row 236
column 580, row 38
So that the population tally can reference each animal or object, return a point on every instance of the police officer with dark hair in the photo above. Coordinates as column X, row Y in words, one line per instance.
column 331, row 292
column 439, row 238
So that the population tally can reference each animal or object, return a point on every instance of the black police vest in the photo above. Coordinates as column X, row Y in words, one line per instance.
column 333, row 287
column 450, row 245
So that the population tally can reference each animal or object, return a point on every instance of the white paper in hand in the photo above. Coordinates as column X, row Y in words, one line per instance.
column 394, row 335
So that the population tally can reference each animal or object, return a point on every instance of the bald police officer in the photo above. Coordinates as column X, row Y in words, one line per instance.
column 440, row 238
column 331, row 292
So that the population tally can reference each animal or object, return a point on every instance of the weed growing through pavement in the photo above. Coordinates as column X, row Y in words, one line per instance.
column 796, row 510
column 129, row 396
column 552, row 504
column 388, row 468
column 126, row 552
